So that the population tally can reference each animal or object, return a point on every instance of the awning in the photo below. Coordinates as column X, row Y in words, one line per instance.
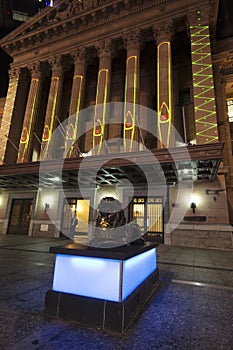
column 196, row 162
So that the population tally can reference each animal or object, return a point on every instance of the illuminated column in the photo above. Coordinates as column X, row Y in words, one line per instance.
column 8, row 110
column 203, row 87
column 25, row 145
column 102, row 95
column 75, row 103
column 223, row 121
column 132, row 42
column 53, row 105
column 162, row 35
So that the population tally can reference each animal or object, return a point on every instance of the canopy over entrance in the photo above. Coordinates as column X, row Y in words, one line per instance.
column 196, row 162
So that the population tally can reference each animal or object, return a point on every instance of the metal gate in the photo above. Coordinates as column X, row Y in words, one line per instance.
column 147, row 212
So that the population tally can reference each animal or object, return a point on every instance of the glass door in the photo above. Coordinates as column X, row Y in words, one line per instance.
column 20, row 216
column 76, row 217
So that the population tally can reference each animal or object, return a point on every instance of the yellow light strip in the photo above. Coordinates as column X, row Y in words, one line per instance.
column 126, row 111
column 48, row 128
column 204, row 100
column 168, row 102
column 51, row 124
column 7, row 114
column 35, row 82
column 75, row 125
column 102, row 118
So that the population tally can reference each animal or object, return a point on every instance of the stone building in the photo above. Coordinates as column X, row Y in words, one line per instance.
column 125, row 99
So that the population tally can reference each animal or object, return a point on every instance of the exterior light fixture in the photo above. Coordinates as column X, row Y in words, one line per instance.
column 193, row 206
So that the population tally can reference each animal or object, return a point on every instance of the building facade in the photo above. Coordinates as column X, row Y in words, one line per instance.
column 124, row 99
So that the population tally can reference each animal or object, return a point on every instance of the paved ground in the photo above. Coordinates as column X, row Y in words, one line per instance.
column 192, row 309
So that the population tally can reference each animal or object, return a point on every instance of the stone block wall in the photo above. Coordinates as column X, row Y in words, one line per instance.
column 203, row 237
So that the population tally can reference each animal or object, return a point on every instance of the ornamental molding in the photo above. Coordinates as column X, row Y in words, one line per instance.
column 104, row 48
column 57, row 65
column 163, row 31
column 64, row 20
column 35, row 69
column 132, row 39
column 223, row 66
column 14, row 72
column 79, row 56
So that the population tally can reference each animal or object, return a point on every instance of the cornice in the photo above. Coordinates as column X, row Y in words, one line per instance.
column 67, row 30
column 33, row 39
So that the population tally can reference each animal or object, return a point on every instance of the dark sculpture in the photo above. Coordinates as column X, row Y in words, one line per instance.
column 111, row 228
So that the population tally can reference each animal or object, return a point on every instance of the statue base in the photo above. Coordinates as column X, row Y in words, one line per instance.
column 102, row 288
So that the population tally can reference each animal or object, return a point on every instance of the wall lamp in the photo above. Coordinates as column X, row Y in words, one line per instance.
column 193, row 206
column 46, row 206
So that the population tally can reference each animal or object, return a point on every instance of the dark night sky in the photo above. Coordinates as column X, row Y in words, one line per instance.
column 224, row 30
column 225, row 19
column 29, row 6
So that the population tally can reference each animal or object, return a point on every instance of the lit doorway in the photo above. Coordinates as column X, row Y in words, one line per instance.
column 79, row 208
column 147, row 212
column 20, row 216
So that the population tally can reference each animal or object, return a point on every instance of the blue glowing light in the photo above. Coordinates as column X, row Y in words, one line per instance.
column 100, row 277
column 136, row 270
column 87, row 276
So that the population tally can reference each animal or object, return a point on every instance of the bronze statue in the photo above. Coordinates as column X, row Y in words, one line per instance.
column 111, row 228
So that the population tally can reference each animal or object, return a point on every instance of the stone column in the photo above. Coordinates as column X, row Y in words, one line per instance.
column 223, row 121
column 52, row 111
column 25, row 145
column 8, row 110
column 162, row 34
column 132, row 41
column 102, row 96
column 72, row 147
column 203, row 87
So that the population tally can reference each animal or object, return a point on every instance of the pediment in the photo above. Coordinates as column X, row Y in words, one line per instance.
column 62, row 11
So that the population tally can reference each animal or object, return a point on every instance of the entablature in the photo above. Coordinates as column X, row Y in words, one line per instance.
column 86, row 21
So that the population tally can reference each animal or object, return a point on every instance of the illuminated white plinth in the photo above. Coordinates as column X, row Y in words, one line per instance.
column 102, row 278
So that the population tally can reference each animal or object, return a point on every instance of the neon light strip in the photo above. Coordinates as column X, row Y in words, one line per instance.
column 168, row 95
column 78, row 103
column 106, row 74
column 80, row 77
column 35, row 83
column 133, row 115
column 204, row 99
column 54, row 108
column 7, row 114
column 56, row 79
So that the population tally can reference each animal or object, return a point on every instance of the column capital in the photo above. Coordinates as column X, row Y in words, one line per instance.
column 132, row 39
column 163, row 31
column 198, row 17
column 104, row 48
column 14, row 72
column 35, row 69
column 56, row 63
column 79, row 56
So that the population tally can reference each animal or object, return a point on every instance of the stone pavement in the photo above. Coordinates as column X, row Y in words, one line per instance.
column 192, row 309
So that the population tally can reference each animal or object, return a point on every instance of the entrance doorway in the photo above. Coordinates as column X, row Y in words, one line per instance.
column 20, row 216
column 80, row 209
column 147, row 212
